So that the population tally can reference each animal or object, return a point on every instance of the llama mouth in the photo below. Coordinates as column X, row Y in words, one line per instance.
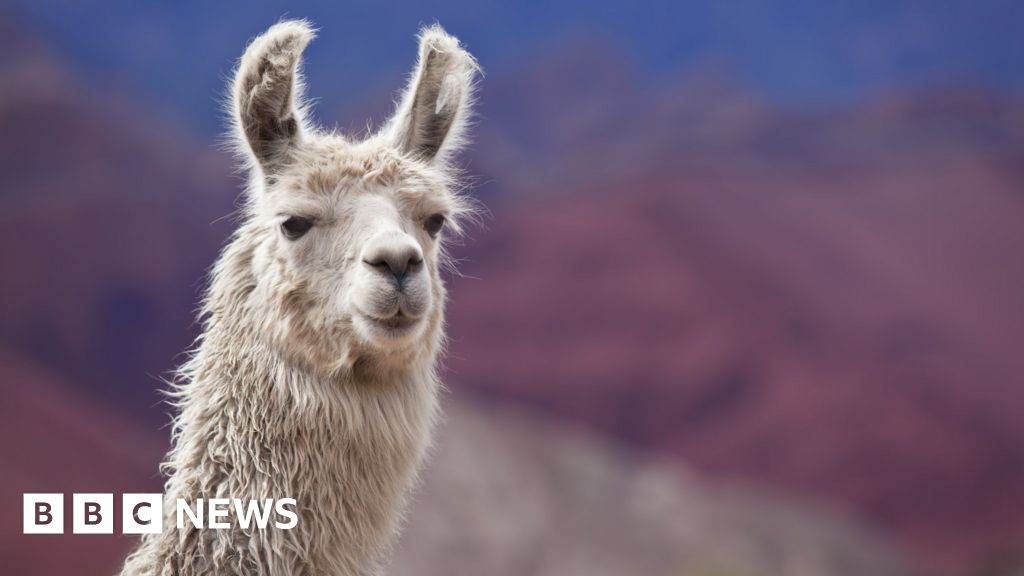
column 394, row 325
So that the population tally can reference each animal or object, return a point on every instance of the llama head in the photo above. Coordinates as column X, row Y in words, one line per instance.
column 346, row 235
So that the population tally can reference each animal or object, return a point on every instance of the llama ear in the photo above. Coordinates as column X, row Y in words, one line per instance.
column 434, row 110
column 266, row 88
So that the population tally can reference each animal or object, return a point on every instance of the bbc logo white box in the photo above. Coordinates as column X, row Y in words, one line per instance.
column 142, row 513
column 93, row 514
column 43, row 514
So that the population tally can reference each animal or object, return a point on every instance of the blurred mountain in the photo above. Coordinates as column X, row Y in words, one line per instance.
column 106, row 227
column 823, row 302
column 509, row 494
column 55, row 438
column 827, row 302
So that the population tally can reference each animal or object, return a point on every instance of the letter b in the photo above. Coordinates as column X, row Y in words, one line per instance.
column 43, row 514
column 93, row 514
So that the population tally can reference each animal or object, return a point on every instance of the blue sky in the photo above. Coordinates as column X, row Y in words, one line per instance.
column 177, row 54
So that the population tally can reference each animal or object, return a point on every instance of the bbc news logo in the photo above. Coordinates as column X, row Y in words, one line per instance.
column 144, row 513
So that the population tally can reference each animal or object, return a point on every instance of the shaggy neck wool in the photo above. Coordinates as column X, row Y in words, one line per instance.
column 253, row 425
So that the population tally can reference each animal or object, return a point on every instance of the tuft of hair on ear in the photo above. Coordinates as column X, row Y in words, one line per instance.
column 266, row 108
column 435, row 110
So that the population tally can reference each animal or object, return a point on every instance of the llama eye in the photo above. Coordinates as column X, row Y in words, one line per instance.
column 434, row 224
column 296, row 227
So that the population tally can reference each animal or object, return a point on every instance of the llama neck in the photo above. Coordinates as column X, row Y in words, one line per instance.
column 346, row 446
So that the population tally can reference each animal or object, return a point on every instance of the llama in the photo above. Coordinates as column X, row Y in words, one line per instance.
column 315, row 376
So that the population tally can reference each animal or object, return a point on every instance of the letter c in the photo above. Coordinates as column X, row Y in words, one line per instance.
column 135, row 513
